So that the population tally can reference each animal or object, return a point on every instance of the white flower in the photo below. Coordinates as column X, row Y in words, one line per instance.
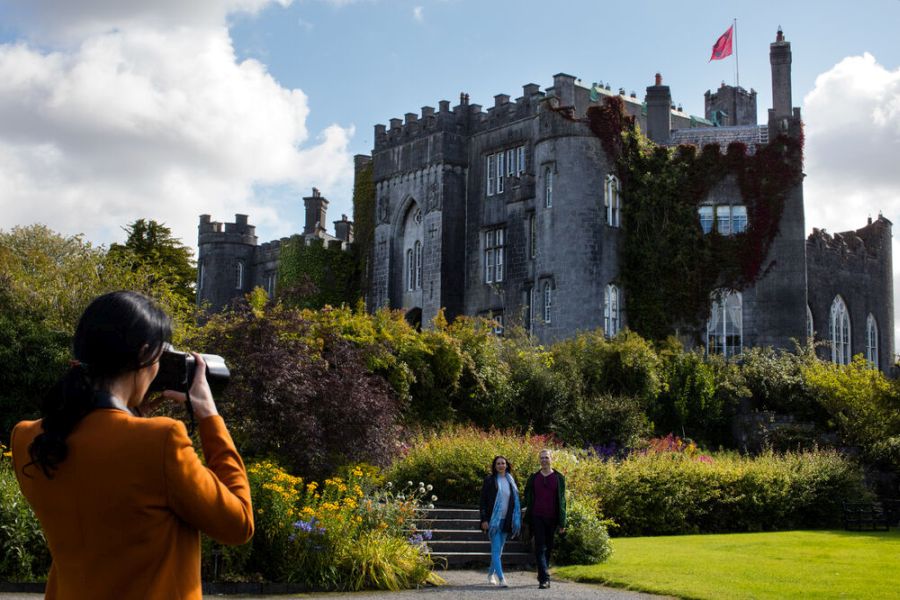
column 401, row 497
column 390, row 484
column 421, row 490
column 421, row 484
column 429, row 487
column 409, row 483
column 434, row 498
column 431, row 506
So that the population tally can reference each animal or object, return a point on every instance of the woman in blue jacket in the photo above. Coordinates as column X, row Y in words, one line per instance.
column 501, row 515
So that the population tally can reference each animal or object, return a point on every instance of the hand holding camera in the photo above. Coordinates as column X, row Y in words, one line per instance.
column 189, row 378
column 201, row 399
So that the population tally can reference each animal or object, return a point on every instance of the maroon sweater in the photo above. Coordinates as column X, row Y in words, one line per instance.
column 546, row 496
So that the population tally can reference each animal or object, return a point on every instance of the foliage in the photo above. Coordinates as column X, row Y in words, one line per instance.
column 364, row 220
column 151, row 247
column 776, row 380
column 313, row 275
column 586, row 539
column 663, row 242
column 460, row 458
column 672, row 489
column 299, row 391
column 46, row 281
column 23, row 549
column 347, row 533
column 767, row 566
column 862, row 404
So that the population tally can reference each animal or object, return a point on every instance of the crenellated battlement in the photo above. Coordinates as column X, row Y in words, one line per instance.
column 238, row 232
column 870, row 241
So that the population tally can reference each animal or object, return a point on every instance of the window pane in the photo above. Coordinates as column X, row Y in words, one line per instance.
column 738, row 219
column 490, row 175
column 723, row 220
column 521, row 159
column 706, row 218
column 500, row 172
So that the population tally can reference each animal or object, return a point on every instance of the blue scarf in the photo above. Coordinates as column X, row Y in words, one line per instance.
column 497, row 518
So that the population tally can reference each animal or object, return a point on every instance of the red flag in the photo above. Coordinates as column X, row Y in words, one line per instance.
column 722, row 47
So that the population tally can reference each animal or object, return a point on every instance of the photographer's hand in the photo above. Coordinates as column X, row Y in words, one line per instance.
column 201, row 396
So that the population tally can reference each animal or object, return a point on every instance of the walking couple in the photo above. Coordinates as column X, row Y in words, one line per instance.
column 501, row 515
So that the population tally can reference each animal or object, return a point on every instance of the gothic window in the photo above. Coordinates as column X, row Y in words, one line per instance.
column 611, row 314
column 494, row 254
column 548, row 187
column 500, row 171
column 725, row 328
column 810, row 329
column 410, row 270
column 548, row 301
column 418, row 257
column 239, row 275
column 726, row 219
column 839, row 325
column 201, row 275
column 612, row 200
column 491, row 168
column 532, row 236
column 270, row 283
column 872, row 341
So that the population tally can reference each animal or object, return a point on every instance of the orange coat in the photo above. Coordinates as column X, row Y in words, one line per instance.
column 124, row 511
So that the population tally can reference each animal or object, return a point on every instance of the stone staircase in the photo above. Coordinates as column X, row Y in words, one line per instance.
column 457, row 541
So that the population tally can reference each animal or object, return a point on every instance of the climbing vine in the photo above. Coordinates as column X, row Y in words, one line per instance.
column 313, row 275
column 668, row 266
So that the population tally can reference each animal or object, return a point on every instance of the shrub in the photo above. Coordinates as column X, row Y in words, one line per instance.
column 23, row 550
column 610, row 420
column 775, row 378
column 460, row 458
column 586, row 539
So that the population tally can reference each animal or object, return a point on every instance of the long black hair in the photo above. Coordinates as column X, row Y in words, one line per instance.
column 494, row 465
column 118, row 332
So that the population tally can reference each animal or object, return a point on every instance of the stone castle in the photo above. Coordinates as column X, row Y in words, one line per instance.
column 514, row 212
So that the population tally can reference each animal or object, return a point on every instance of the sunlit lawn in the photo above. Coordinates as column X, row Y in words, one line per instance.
column 792, row 564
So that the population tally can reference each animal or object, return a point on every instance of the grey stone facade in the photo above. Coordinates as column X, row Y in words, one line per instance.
column 438, row 213
column 230, row 261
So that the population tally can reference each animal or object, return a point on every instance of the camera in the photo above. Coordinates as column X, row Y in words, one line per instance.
column 176, row 371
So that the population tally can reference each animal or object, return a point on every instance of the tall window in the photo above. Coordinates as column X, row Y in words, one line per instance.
column 494, row 251
column 528, row 302
column 511, row 161
column 497, row 318
column 839, row 325
column 410, row 270
column 532, row 236
column 201, row 275
column 726, row 219
column 270, row 283
column 548, row 187
column 611, row 320
column 520, row 152
column 872, row 340
column 418, row 257
column 548, row 301
column 239, row 275
column 501, row 161
column 725, row 328
column 810, row 326
column 612, row 199
column 491, row 168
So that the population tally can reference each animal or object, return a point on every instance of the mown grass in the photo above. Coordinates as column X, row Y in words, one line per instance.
column 790, row 564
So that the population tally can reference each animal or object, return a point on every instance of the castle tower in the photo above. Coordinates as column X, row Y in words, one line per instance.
column 316, row 207
column 730, row 106
column 659, row 111
column 781, row 295
column 225, row 260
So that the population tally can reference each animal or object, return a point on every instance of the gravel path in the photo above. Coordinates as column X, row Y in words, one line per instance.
column 461, row 585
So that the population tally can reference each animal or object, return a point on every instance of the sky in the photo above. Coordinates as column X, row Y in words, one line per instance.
column 114, row 110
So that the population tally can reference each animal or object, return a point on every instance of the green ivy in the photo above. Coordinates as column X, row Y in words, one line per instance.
column 315, row 275
column 364, row 220
column 663, row 242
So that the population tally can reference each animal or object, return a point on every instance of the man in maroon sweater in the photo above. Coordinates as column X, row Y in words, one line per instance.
column 545, row 499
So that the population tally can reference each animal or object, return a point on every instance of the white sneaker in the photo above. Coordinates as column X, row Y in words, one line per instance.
column 492, row 579
column 503, row 583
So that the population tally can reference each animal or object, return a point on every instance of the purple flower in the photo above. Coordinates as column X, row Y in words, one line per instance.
column 292, row 537
column 426, row 535
column 416, row 539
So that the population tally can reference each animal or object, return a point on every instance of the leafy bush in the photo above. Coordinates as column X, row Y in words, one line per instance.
column 610, row 420
column 665, row 493
column 23, row 550
column 586, row 539
column 776, row 381
column 460, row 458
column 346, row 533
column 299, row 391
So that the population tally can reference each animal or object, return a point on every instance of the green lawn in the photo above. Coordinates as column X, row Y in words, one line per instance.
column 791, row 564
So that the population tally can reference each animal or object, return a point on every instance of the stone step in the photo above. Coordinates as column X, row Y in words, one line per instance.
column 458, row 534
column 467, row 524
column 444, row 546
column 457, row 560
column 451, row 513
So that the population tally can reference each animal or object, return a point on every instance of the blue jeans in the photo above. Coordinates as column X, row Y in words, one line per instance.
column 497, row 542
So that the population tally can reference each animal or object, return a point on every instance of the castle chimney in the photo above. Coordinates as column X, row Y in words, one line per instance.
column 564, row 89
column 659, row 115
column 780, row 60
column 316, row 206
column 343, row 229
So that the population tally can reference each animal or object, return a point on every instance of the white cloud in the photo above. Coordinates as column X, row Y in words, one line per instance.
column 852, row 146
column 419, row 14
column 156, row 120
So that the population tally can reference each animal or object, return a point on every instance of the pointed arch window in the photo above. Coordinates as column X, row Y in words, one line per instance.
column 548, row 301
column 548, row 187
column 239, row 275
column 612, row 199
column 839, row 326
column 611, row 315
column 410, row 270
column 418, row 258
column 725, row 328
column 872, row 340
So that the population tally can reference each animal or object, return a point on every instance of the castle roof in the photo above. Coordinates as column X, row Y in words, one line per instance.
column 701, row 136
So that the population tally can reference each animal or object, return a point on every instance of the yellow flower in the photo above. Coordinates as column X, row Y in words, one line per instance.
column 311, row 486
column 308, row 511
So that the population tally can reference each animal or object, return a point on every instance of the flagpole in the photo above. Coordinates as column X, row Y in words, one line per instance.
column 737, row 69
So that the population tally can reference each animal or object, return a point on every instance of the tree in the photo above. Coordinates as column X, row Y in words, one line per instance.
column 150, row 245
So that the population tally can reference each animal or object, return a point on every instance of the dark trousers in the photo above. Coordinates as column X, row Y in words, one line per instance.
column 544, row 528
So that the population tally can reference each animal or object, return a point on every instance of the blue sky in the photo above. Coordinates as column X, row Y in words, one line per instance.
column 113, row 110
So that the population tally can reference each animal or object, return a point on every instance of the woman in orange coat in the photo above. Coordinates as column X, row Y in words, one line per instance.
column 122, row 498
